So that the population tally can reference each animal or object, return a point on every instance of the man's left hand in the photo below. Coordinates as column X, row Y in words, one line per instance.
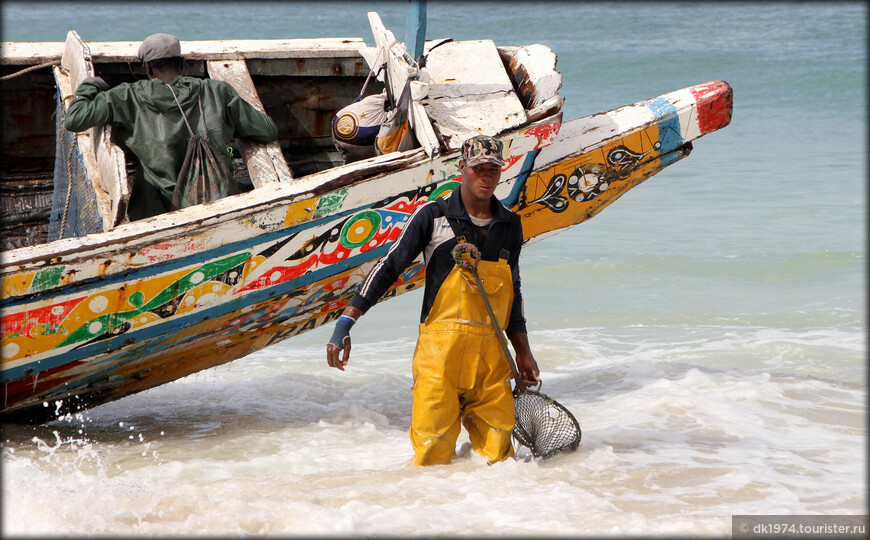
column 526, row 364
column 528, row 368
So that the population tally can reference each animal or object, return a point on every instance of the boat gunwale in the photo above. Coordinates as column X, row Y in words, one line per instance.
column 255, row 201
column 37, row 52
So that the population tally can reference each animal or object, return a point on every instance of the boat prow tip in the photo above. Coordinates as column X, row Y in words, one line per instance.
column 716, row 104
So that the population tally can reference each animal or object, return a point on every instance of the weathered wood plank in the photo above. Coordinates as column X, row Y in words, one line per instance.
column 392, row 52
column 86, row 148
column 533, row 70
column 422, row 126
column 469, row 92
column 545, row 109
column 309, row 67
column 111, row 171
column 76, row 59
column 27, row 53
column 265, row 163
column 37, row 52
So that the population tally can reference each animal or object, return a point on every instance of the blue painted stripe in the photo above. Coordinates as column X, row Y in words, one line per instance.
column 525, row 170
column 175, row 325
column 670, row 135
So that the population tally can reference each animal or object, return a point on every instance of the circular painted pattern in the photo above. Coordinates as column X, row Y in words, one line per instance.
column 9, row 350
column 98, row 304
column 360, row 229
column 586, row 183
column 346, row 126
column 446, row 187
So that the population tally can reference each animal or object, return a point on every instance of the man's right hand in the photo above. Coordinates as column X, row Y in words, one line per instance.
column 340, row 340
column 98, row 82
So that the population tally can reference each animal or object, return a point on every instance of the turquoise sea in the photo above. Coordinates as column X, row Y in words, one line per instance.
column 709, row 329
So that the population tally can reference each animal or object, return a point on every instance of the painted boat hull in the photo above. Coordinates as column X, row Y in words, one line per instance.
column 90, row 320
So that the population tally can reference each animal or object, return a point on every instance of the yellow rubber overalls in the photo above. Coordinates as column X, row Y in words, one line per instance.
column 460, row 372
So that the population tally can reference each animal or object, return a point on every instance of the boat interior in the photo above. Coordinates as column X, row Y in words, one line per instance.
column 300, row 85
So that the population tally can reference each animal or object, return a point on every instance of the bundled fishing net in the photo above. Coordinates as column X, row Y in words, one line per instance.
column 543, row 425
column 74, row 204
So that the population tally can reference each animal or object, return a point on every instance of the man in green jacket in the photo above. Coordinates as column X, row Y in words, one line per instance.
column 146, row 117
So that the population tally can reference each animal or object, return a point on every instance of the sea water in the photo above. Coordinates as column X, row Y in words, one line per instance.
column 708, row 329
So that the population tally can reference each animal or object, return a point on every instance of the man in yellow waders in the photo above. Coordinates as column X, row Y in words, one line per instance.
column 460, row 372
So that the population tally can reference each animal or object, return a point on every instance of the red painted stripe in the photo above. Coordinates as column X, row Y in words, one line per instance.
column 47, row 318
column 27, row 386
column 715, row 103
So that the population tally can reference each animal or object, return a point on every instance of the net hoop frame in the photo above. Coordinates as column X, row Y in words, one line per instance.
column 524, row 438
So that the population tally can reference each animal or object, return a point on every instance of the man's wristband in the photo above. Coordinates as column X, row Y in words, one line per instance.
column 342, row 330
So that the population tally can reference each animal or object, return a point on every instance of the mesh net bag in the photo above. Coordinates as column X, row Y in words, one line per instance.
column 73, row 205
column 543, row 425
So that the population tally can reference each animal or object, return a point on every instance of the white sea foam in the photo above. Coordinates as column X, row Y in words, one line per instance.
column 668, row 446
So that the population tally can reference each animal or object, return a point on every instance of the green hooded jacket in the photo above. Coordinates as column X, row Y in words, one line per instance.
column 145, row 116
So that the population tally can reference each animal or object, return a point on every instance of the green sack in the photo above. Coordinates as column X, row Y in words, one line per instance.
column 205, row 175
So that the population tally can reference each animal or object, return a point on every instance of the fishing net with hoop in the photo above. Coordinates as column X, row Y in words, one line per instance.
column 544, row 425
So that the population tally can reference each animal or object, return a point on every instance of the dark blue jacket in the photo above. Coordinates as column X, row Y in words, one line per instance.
column 429, row 232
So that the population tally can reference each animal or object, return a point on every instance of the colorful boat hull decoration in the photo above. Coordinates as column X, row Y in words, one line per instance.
column 95, row 324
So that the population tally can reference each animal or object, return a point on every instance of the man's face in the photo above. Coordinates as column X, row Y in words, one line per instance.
column 479, row 181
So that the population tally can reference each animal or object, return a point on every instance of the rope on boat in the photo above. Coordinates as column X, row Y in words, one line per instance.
column 31, row 68
column 69, row 189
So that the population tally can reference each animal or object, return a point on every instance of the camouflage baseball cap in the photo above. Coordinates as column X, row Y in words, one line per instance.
column 482, row 149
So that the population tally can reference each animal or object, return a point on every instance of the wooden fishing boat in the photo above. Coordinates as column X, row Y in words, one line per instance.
column 95, row 307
